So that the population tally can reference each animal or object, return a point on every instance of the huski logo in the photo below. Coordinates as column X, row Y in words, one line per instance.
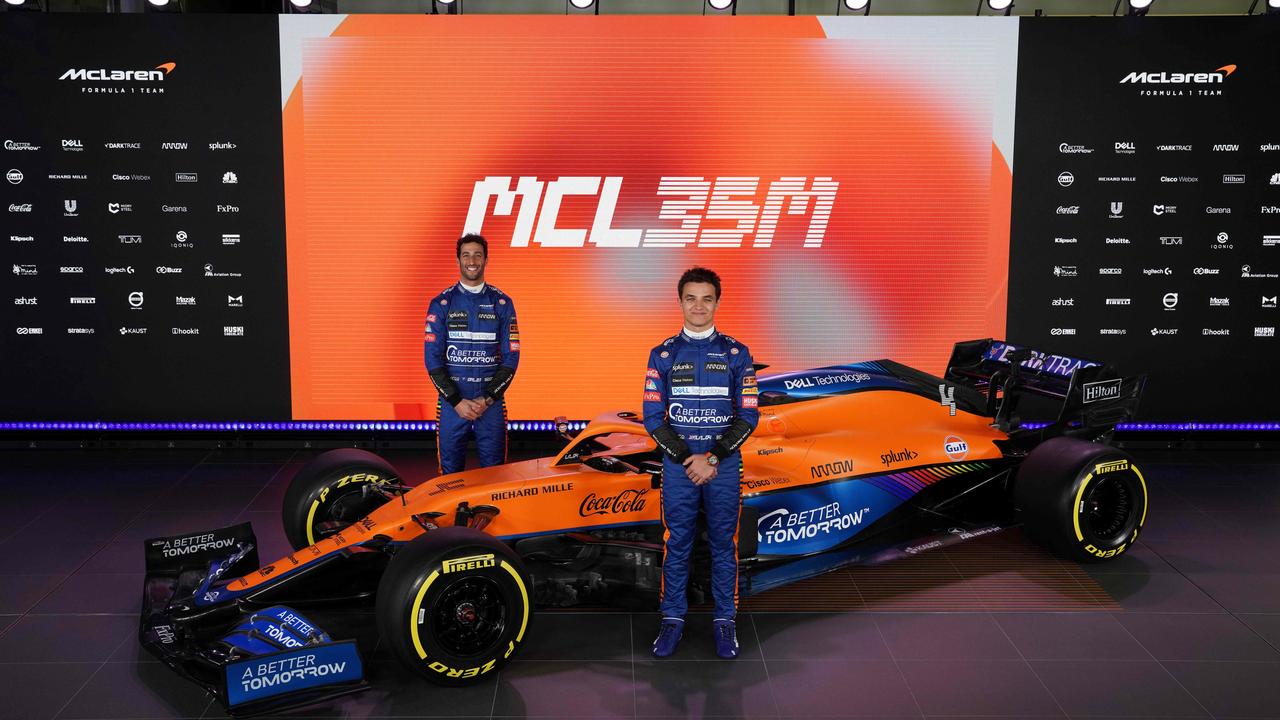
column 1269, row 331
column 690, row 200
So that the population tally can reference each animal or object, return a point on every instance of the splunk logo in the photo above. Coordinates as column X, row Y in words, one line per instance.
column 1179, row 78
column 754, row 204
column 101, row 74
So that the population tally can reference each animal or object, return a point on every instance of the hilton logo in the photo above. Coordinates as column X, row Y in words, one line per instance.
column 1105, row 390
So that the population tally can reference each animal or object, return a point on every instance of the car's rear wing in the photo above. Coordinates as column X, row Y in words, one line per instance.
column 1094, row 395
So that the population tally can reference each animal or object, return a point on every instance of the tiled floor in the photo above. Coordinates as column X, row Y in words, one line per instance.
column 1187, row 625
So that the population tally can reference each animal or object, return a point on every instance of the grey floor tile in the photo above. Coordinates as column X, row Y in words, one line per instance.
column 177, row 522
column 1157, row 592
column 1116, row 688
column 819, row 636
column 1232, row 688
column 55, row 557
column 83, row 524
column 696, row 643
column 6, row 621
column 120, row 557
column 581, row 637
column 565, row 689
column 1140, row 559
column 945, row 636
column 269, row 530
column 38, row 692
column 856, row 688
column 1266, row 625
column 977, row 687
column 397, row 692
column 136, row 690
column 65, row 638
column 708, row 689
column 1197, row 637
column 1247, row 592
column 94, row 593
column 1070, row 636
column 20, row 593
column 205, row 498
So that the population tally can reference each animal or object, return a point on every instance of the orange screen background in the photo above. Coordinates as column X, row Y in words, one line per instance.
column 397, row 117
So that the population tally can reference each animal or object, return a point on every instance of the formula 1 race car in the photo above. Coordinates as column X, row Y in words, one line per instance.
column 857, row 463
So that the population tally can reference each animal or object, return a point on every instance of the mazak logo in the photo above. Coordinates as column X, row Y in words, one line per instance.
column 1179, row 78
column 1117, row 210
column 1170, row 239
column 1065, row 271
column 1219, row 302
column 1068, row 210
column 1066, row 179
column 184, row 300
column 688, row 201
column 1104, row 390
column 1170, row 301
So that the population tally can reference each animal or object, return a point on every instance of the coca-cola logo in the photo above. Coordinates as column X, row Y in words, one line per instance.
column 624, row 502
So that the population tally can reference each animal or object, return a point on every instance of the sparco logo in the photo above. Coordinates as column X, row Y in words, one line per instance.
column 624, row 502
column 897, row 456
column 688, row 201
column 156, row 75
column 1179, row 78
column 832, row 469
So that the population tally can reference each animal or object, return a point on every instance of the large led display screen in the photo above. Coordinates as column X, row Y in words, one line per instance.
column 840, row 176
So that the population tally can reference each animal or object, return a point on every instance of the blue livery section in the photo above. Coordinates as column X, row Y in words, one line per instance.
column 1059, row 365
column 833, row 380
column 291, row 671
column 813, row 519
column 275, row 629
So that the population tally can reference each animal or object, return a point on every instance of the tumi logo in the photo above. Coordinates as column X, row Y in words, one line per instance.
column 1179, row 78
column 157, row 74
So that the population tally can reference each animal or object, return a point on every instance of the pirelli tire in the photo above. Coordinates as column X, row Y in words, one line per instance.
column 1085, row 501
column 454, row 605
column 332, row 491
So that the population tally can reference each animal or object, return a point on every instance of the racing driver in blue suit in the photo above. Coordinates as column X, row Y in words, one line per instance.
column 700, row 405
column 471, row 345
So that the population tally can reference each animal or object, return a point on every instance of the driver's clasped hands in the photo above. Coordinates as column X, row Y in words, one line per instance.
column 699, row 470
column 471, row 409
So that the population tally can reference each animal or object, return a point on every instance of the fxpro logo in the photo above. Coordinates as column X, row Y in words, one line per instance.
column 1179, row 78
column 752, row 206
column 102, row 75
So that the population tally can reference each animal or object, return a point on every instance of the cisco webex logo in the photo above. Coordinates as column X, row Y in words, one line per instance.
column 101, row 74
column 1179, row 78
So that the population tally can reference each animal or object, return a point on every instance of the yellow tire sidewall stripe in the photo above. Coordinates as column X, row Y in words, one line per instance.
column 416, row 606
column 1075, row 507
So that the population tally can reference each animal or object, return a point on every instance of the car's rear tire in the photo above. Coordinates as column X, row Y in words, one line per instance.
column 454, row 605
column 333, row 491
column 1086, row 501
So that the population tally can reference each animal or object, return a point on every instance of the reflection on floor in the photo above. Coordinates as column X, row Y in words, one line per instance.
column 1186, row 625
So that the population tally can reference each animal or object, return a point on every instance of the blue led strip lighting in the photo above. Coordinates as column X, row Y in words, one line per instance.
column 517, row 425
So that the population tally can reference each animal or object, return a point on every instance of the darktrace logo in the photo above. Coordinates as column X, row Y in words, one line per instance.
column 1178, row 84
column 118, row 81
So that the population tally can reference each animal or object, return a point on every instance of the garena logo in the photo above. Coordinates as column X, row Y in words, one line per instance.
column 156, row 75
column 1177, row 78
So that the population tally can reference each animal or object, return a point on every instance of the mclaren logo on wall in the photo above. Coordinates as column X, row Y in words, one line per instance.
column 101, row 80
column 1178, row 84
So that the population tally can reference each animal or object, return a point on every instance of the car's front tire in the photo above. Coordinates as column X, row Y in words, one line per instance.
column 332, row 491
column 454, row 605
column 1086, row 501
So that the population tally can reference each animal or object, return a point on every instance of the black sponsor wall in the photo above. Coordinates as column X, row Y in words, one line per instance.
column 1146, row 205
column 143, row 230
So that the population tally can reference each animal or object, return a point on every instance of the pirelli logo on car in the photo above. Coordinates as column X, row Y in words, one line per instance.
column 1112, row 466
column 472, row 562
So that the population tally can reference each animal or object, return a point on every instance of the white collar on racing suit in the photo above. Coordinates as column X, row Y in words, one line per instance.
column 700, row 335
column 473, row 290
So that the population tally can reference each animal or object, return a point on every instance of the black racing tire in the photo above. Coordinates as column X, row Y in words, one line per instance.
column 454, row 605
column 1084, row 500
column 329, row 493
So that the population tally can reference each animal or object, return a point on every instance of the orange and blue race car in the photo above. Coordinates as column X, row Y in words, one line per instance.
column 857, row 463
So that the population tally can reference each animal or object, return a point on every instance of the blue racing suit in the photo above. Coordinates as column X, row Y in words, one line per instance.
column 471, row 345
column 700, row 396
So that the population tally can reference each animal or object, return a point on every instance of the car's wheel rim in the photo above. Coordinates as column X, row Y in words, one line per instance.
column 1108, row 508
column 469, row 616
column 344, row 510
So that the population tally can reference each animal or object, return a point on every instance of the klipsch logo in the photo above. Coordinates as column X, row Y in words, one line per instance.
column 157, row 74
column 1179, row 78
